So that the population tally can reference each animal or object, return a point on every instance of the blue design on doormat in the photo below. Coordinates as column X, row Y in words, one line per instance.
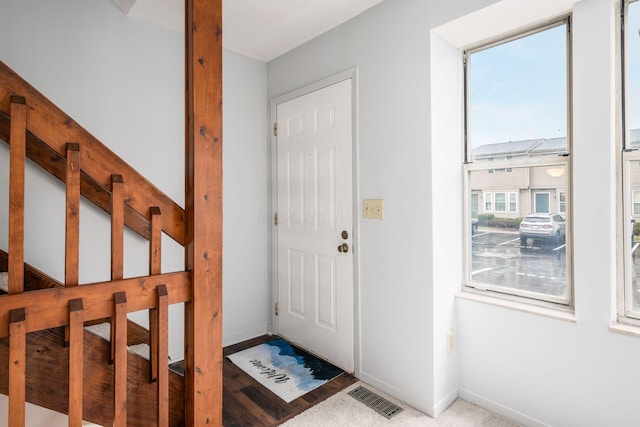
column 284, row 369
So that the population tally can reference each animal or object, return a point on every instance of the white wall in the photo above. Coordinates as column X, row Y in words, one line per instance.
column 246, row 209
column 401, row 343
column 536, row 369
column 123, row 80
column 540, row 370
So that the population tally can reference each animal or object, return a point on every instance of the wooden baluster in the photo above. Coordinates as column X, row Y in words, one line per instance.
column 162, row 355
column 155, row 245
column 120, row 360
column 76, row 361
column 17, row 150
column 117, row 227
column 17, row 363
column 72, row 240
column 117, row 238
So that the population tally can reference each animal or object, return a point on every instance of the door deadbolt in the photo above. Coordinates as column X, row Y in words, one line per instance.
column 345, row 234
column 343, row 248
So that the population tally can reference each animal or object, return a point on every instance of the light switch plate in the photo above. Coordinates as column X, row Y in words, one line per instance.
column 373, row 208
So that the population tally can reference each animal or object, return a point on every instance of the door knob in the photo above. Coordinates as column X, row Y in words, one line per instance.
column 344, row 248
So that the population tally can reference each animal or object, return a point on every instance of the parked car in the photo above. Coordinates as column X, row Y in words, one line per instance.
column 550, row 227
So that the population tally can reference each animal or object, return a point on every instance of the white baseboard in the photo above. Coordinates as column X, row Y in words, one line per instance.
column 442, row 406
column 395, row 393
column 499, row 409
column 243, row 335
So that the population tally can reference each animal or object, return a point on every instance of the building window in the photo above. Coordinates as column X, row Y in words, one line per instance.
column 500, row 204
column 628, row 296
column 562, row 202
column 517, row 123
column 513, row 202
column 488, row 202
column 636, row 203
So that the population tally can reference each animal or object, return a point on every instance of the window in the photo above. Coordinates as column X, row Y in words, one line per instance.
column 636, row 203
column 488, row 202
column 517, row 154
column 500, row 202
column 513, row 202
column 505, row 202
column 629, row 298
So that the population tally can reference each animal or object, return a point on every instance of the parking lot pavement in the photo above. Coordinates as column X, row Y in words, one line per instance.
column 497, row 257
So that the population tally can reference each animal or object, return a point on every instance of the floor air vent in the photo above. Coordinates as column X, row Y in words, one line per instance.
column 377, row 402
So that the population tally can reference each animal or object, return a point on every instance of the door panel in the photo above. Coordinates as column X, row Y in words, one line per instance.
column 315, row 280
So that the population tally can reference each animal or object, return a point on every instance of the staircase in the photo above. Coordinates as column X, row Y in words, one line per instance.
column 47, row 373
column 47, row 357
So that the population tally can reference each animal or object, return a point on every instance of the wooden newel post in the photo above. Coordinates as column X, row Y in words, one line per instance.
column 203, row 314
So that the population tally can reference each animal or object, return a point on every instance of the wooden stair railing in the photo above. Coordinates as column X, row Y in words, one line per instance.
column 198, row 229
column 50, row 126
column 70, row 307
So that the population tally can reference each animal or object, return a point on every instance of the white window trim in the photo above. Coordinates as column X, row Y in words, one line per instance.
column 626, row 318
column 509, row 294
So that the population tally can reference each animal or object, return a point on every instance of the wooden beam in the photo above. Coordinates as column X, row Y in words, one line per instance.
column 72, row 237
column 17, row 366
column 203, row 315
column 50, row 124
column 48, row 308
column 76, row 361
column 16, row 194
column 120, row 360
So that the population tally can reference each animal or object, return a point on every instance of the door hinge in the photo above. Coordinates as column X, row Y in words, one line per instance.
column 275, row 218
column 275, row 129
column 277, row 309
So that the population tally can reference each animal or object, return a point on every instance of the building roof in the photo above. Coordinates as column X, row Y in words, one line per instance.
column 537, row 147
column 505, row 148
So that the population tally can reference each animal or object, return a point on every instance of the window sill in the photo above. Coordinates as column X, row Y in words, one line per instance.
column 566, row 315
column 625, row 329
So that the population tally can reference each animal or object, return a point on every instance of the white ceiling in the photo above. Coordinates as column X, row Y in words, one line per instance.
column 260, row 29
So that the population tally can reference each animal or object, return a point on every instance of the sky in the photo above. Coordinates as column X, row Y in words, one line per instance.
column 518, row 90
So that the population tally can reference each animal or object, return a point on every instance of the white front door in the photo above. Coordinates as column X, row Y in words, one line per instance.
column 315, row 223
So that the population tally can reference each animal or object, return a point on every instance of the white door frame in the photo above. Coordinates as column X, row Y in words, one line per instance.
column 352, row 74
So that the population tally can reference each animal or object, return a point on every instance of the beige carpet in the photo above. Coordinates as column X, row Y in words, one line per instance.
column 343, row 410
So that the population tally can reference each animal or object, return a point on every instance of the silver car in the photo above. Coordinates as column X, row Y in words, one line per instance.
column 548, row 226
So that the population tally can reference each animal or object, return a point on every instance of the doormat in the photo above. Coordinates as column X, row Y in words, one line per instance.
column 284, row 369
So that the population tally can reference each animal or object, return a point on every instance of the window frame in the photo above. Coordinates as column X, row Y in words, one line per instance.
column 566, row 302
column 489, row 195
column 628, row 156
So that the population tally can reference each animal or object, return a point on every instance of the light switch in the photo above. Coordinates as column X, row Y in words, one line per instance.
column 373, row 208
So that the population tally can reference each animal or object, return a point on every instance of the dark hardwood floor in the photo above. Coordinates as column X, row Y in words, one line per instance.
column 247, row 403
